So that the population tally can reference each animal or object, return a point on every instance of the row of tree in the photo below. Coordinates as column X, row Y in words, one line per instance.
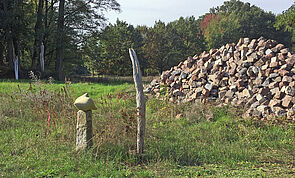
column 57, row 24
column 158, row 48
column 165, row 45
column 77, row 41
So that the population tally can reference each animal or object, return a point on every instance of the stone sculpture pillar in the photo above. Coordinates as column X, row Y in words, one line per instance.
column 84, row 130
column 84, row 122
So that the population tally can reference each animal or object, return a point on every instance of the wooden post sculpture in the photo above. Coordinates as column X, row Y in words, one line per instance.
column 140, row 102
column 84, row 122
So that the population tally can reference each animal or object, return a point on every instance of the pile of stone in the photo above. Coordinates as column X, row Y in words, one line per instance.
column 256, row 74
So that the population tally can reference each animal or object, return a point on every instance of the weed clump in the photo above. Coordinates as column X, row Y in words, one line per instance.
column 114, row 122
column 52, row 110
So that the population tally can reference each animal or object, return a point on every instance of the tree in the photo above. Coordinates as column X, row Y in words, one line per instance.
column 115, row 40
column 155, row 47
column 220, row 29
column 166, row 45
column 188, row 30
column 81, row 17
column 13, row 23
column 38, row 33
column 235, row 19
column 92, row 54
column 60, row 41
column 286, row 21
column 61, row 25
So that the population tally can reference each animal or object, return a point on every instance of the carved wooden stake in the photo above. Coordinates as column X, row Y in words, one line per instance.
column 140, row 102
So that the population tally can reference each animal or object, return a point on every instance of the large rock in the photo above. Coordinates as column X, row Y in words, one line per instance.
column 290, row 91
column 287, row 101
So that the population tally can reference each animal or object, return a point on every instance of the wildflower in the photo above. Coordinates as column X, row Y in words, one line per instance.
column 163, row 108
column 48, row 117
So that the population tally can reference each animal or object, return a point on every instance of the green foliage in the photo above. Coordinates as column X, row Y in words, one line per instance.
column 189, row 31
column 25, row 24
column 15, row 27
column 114, row 42
column 91, row 53
column 236, row 19
column 221, row 30
column 91, row 46
column 166, row 45
column 156, row 47
column 287, row 19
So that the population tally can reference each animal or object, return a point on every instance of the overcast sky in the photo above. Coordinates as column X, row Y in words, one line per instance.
column 146, row 12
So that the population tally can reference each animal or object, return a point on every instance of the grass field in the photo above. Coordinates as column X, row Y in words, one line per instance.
column 180, row 140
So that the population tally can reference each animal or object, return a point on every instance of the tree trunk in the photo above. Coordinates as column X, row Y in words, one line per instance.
column 8, row 37
column 60, row 41
column 38, row 35
column 140, row 102
column 1, row 54
column 9, row 56
column 92, row 67
column 16, row 46
column 46, row 17
column 46, row 29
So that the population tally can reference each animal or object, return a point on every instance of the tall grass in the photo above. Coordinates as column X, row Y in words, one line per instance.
column 181, row 140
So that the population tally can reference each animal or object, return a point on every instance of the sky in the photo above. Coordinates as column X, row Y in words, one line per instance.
column 146, row 12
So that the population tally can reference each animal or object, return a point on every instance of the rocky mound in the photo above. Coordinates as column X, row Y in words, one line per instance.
column 257, row 74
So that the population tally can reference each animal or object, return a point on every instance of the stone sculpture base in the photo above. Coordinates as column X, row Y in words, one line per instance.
column 84, row 130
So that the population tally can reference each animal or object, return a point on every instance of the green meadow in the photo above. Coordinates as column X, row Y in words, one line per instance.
column 180, row 140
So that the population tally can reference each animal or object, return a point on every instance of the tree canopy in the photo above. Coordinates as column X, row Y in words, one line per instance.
column 287, row 19
column 60, row 25
column 235, row 19
column 78, row 40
